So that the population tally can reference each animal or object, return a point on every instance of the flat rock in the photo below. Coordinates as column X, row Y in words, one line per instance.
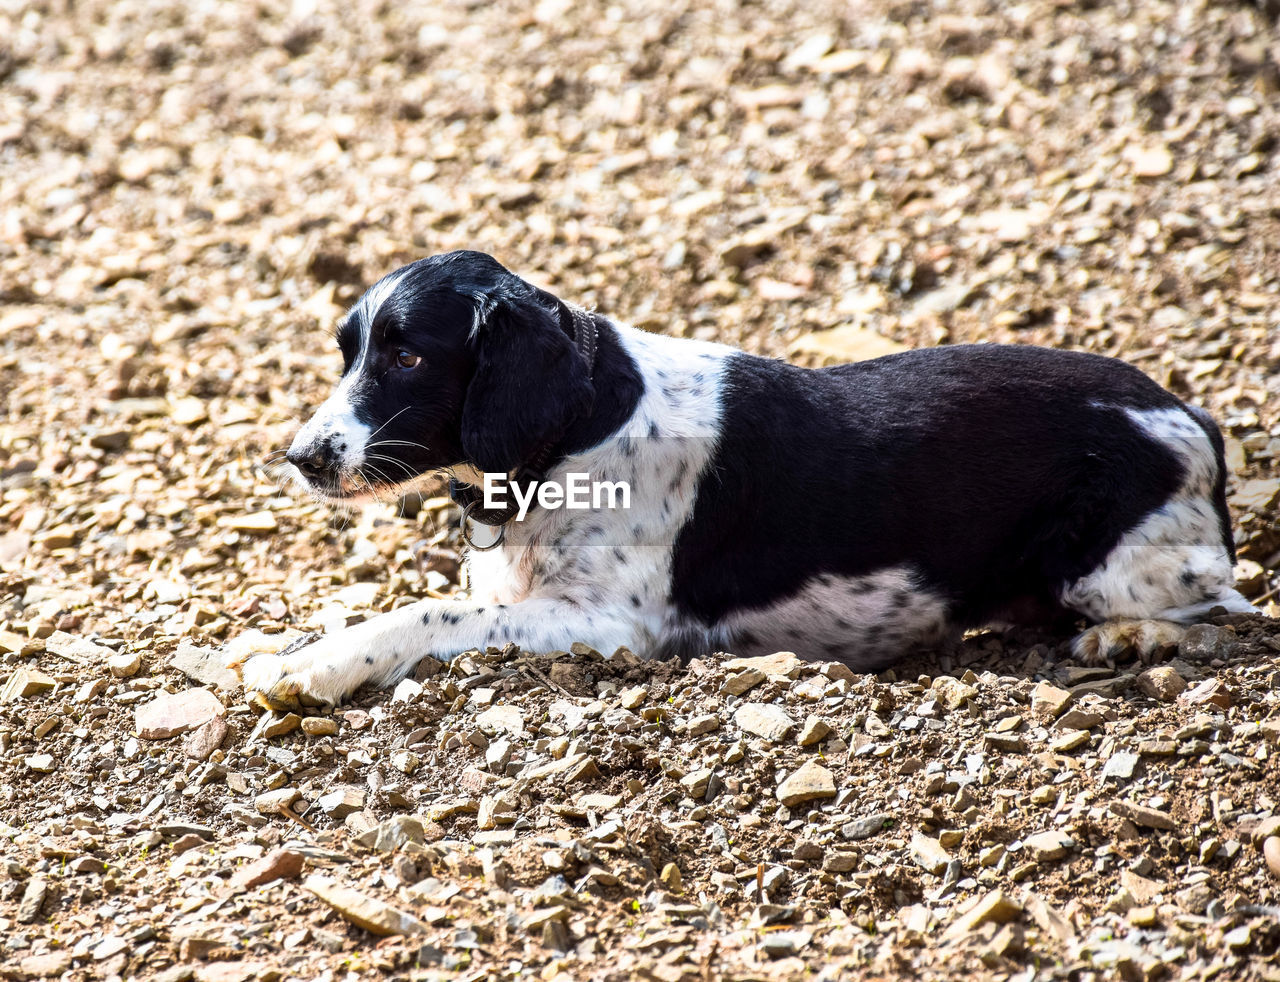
column 341, row 802
column 275, row 802
column 764, row 720
column 815, row 730
column 1142, row 815
column 279, row 726
column 1048, row 701
column 742, row 682
column 172, row 713
column 125, row 664
column 997, row 907
column 390, row 835
column 82, row 651
column 1162, row 682
column 1210, row 692
column 319, row 726
column 502, row 719
column 204, row 665
column 810, row 782
column 44, row 966
column 1120, row 766
column 26, row 682
column 928, row 853
column 784, row 663
column 1044, row 847
column 201, row 742
column 951, row 692
column 278, row 864
column 369, row 913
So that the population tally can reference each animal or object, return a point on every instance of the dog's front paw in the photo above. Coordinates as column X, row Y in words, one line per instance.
column 1104, row 643
column 312, row 677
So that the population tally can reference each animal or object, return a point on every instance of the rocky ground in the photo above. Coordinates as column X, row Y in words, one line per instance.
column 189, row 196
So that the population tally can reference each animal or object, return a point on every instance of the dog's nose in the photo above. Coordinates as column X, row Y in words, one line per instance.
column 313, row 462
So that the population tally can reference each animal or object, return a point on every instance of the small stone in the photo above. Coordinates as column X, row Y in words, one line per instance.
column 26, row 682
column 172, row 713
column 707, row 723
column 50, row 965
column 742, row 682
column 369, row 913
column 406, row 761
column 928, row 853
column 783, row 663
column 1142, row 815
column 1045, row 847
column 1048, row 701
column 208, row 665
column 814, row 731
column 1148, row 162
column 1211, row 691
column 866, row 826
column 991, row 855
column 1158, row 748
column 1120, row 766
column 87, row 866
column 951, row 692
column 279, row 864
column 201, row 742
column 319, row 726
column 1145, row 916
column 1078, row 719
column 282, row 725
column 996, row 907
column 695, row 783
column 341, row 802
column 764, row 720
column 781, row 944
column 840, row 862
column 670, row 878
column 41, row 763
column 1204, row 642
column 406, row 690
column 1271, row 853
column 1008, row 743
column 810, row 782
column 33, row 900
column 634, row 697
column 395, row 832
column 502, row 719
column 254, row 522
column 125, row 664
column 276, row 802
column 1162, row 682
column 1069, row 741
column 109, row 947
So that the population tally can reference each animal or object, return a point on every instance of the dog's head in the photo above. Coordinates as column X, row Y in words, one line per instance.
column 450, row 361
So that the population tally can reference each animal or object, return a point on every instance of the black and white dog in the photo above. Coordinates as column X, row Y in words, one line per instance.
column 851, row 513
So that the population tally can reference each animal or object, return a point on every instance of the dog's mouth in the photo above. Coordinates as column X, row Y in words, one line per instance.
column 354, row 487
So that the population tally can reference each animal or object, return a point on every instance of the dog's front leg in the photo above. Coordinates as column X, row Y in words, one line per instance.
column 385, row 648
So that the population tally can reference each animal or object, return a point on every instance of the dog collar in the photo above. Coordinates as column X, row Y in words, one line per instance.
column 582, row 327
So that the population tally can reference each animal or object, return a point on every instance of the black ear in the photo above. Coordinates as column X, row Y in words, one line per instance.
column 530, row 384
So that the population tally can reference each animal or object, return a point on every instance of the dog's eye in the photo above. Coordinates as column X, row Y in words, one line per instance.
column 407, row 360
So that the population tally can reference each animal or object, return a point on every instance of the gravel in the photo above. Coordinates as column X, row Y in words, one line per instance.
column 189, row 198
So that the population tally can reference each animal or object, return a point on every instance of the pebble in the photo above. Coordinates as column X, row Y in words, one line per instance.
column 815, row 730
column 26, row 682
column 951, row 692
column 1120, row 766
column 172, row 713
column 201, row 742
column 278, row 864
column 866, row 826
column 1008, row 743
column 1204, row 642
column 502, row 719
column 1150, row 818
column 319, row 726
column 928, row 853
column 125, row 664
column 363, row 911
column 1271, row 853
column 810, row 782
column 764, row 720
column 706, row 723
column 996, row 907
column 782, row 663
column 1153, row 161
column 275, row 802
column 1045, row 847
column 341, row 802
column 42, row 763
column 1162, row 682
column 779, row 944
column 1048, row 701
column 1211, row 691
column 281, row 725
column 742, row 682
column 634, row 697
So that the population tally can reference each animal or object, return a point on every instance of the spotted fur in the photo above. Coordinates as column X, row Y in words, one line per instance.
column 853, row 513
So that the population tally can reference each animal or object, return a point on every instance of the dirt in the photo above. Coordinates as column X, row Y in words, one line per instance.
column 191, row 195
